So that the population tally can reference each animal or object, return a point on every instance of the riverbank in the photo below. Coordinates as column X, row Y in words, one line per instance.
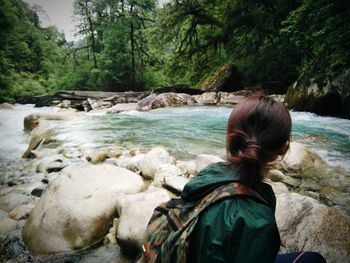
column 57, row 197
column 94, row 100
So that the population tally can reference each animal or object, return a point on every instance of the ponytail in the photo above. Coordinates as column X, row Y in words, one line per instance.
column 244, row 154
column 257, row 130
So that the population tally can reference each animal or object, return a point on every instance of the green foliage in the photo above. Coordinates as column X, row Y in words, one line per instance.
column 133, row 45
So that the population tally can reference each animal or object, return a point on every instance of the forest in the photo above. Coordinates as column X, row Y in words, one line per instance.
column 141, row 45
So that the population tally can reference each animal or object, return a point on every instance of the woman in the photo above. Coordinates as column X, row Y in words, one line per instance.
column 242, row 229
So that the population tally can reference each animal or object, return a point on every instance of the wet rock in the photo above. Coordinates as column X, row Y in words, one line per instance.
column 97, row 157
column 99, row 104
column 203, row 160
column 37, row 191
column 121, row 107
column 22, row 212
column 114, row 153
column 163, row 171
column 134, row 151
column 188, row 166
column 230, row 98
column 152, row 160
column 331, row 98
column 11, row 183
column 6, row 105
column 207, row 98
column 13, row 199
column 300, row 159
column 278, row 187
column 6, row 224
column 77, row 208
column 175, row 183
column 133, row 164
column 51, row 164
column 164, row 100
column 226, row 78
column 307, row 225
column 12, row 249
column 144, row 104
column 136, row 211
column 31, row 122
column 38, row 136
column 278, row 176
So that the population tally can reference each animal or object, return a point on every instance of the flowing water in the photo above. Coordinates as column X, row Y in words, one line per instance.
column 184, row 132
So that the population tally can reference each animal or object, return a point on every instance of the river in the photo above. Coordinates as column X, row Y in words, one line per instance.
column 184, row 132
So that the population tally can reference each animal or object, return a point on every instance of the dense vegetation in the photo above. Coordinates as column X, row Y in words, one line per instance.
column 137, row 44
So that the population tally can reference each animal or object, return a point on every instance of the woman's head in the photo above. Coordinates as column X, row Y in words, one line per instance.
column 258, row 131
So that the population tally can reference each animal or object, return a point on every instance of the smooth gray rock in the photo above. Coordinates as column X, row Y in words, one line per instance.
column 77, row 208
column 307, row 225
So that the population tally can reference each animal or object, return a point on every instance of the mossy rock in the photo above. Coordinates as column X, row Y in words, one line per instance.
column 227, row 78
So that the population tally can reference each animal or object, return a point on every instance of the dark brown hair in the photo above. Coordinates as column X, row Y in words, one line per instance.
column 258, row 130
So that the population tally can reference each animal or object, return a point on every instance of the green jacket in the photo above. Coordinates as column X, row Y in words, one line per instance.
column 239, row 229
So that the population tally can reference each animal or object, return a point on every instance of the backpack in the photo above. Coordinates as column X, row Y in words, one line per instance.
column 168, row 232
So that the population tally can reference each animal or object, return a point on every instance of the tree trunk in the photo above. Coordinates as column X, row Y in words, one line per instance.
column 132, row 41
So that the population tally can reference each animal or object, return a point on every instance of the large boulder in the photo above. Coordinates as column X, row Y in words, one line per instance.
column 77, row 208
column 307, row 225
column 203, row 160
column 152, row 160
column 227, row 78
column 164, row 100
column 207, row 98
column 230, row 98
column 300, row 159
column 136, row 211
column 331, row 98
column 121, row 107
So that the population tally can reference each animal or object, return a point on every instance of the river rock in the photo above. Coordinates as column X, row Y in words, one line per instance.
column 277, row 176
column 175, row 183
column 38, row 136
column 54, row 163
column 14, row 198
column 131, row 163
column 299, row 159
column 208, row 98
column 307, row 225
column 229, row 98
column 188, row 166
column 31, row 122
column 97, row 157
column 134, row 151
column 152, row 160
column 7, row 224
column 163, row 171
column 22, row 211
column 77, row 208
column 165, row 100
column 99, row 104
column 203, row 160
column 226, row 78
column 114, row 153
column 121, row 107
column 135, row 213
column 331, row 98
column 6, row 105
column 145, row 103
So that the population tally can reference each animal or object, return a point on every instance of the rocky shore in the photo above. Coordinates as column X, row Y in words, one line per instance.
column 144, row 101
column 94, row 205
